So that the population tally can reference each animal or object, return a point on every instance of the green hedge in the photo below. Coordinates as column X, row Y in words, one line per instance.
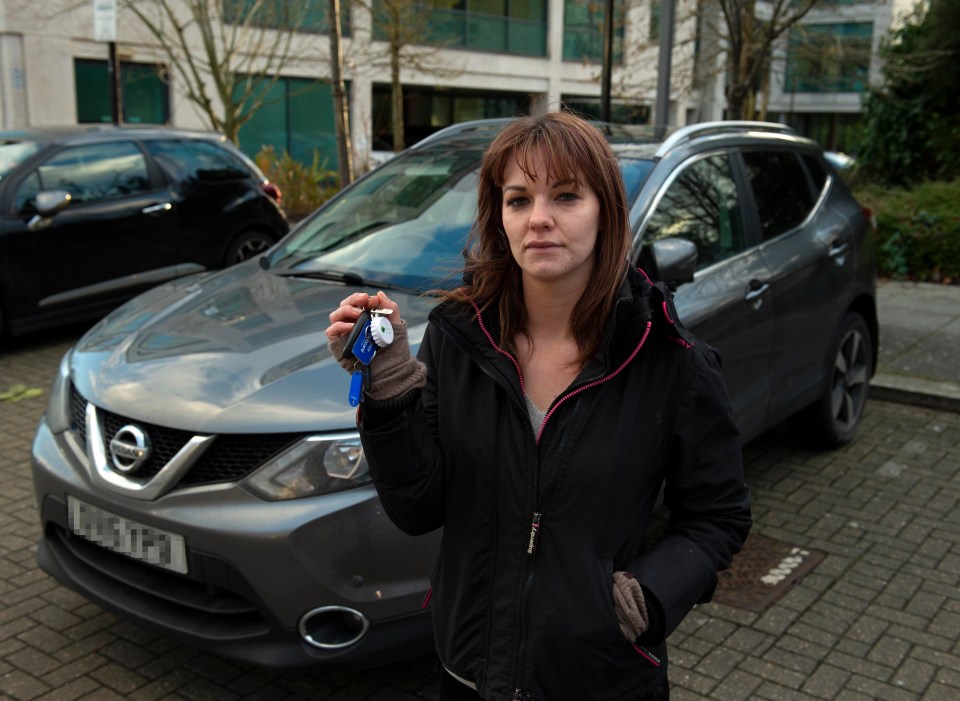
column 304, row 187
column 918, row 230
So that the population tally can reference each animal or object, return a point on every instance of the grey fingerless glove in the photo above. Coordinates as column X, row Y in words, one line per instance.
column 393, row 370
column 630, row 606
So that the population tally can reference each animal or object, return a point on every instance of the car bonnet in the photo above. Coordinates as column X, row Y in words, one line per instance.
column 239, row 351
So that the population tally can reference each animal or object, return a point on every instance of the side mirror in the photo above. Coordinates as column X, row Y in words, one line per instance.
column 48, row 203
column 671, row 260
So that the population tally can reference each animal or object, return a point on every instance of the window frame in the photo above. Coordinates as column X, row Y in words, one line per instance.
column 155, row 179
column 748, row 216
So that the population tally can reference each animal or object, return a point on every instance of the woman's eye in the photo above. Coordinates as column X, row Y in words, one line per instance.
column 567, row 196
column 516, row 201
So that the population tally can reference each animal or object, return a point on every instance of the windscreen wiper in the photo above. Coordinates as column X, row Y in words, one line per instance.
column 344, row 276
column 347, row 277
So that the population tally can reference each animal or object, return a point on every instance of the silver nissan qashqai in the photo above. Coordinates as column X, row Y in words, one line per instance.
column 199, row 471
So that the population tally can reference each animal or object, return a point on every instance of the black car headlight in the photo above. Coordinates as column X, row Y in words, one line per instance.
column 315, row 465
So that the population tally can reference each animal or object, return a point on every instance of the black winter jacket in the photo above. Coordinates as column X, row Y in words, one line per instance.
column 535, row 527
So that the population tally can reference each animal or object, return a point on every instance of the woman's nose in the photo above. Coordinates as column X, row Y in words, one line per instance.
column 541, row 215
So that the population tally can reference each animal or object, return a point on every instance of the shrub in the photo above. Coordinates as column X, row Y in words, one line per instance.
column 304, row 187
column 918, row 230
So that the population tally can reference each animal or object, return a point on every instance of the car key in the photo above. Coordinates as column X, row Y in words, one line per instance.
column 359, row 343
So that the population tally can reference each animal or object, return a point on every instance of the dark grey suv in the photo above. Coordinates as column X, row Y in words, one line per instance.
column 199, row 471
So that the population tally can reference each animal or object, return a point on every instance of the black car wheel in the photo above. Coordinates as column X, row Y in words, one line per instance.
column 833, row 419
column 248, row 245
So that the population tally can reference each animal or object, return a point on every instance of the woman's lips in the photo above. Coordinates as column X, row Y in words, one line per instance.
column 542, row 244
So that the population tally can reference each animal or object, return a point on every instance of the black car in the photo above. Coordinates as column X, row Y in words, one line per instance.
column 89, row 217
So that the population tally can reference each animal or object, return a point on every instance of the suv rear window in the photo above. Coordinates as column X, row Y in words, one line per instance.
column 781, row 189
column 198, row 161
column 817, row 172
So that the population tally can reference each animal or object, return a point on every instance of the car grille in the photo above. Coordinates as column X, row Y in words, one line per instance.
column 231, row 457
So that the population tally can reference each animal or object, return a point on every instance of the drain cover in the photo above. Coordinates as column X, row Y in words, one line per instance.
column 763, row 572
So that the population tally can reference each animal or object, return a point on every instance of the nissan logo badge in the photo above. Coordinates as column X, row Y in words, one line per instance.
column 130, row 449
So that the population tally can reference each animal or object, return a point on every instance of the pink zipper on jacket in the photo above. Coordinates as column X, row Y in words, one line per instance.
column 575, row 392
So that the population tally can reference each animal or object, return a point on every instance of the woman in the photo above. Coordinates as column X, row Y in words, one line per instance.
column 555, row 392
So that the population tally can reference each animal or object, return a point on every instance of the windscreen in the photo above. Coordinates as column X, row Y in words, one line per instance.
column 13, row 153
column 406, row 223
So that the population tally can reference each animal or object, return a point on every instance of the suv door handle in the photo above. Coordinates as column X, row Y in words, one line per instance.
column 757, row 288
column 838, row 251
column 158, row 208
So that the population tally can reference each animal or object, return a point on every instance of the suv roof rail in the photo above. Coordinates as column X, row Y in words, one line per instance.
column 700, row 129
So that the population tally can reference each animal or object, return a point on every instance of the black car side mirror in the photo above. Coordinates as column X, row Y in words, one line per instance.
column 671, row 260
column 48, row 203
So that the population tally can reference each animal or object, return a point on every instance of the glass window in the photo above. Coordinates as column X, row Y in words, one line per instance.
column 534, row 10
column 296, row 116
column 701, row 205
column 654, row 30
column 829, row 57
column 298, row 15
column 27, row 193
column 97, row 172
column 425, row 110
column 817, row 172
column 145, row 95
column 583, row 30
column 781, row 190
column 621, row 111
column 202, row 161
column 309, row 106
column 13, row 153
column 506, row 26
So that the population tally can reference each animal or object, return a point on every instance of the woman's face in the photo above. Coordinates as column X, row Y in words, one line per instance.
column 551, row 226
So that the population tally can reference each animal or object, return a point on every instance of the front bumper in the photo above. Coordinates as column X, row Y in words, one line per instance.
column 255, row 567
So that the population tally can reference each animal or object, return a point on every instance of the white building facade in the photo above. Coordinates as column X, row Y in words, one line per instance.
column 498, row 58
column 821, row 68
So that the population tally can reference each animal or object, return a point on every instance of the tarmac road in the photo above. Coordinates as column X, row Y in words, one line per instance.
column 876, row 616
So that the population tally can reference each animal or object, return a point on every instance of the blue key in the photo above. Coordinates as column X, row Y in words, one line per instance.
column 356, row 388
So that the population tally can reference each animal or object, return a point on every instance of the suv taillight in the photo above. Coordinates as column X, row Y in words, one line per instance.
column 272, row 190
column 871, row 217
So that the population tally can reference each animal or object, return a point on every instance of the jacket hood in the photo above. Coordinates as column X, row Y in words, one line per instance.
column 243, row 350
column 642, row 301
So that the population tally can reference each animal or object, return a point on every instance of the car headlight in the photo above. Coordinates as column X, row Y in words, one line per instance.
column 59, row 415
column 315, row 465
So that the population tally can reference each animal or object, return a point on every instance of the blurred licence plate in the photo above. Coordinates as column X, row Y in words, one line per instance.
column 127, row 537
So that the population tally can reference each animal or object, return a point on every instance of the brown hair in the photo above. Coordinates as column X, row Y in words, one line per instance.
column 570, row 148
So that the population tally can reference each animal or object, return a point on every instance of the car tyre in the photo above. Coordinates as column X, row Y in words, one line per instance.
column 833, row 419
column 247, row 245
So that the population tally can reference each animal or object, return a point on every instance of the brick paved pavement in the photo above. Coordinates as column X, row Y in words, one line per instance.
column 878, row 618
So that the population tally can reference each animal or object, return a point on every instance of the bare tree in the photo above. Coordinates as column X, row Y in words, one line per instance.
column 748, row 32
column 244, row 47
column 636, row 78
column 411, row 44
column 341, row 117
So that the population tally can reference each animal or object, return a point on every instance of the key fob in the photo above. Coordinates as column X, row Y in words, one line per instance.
column 358, row 338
